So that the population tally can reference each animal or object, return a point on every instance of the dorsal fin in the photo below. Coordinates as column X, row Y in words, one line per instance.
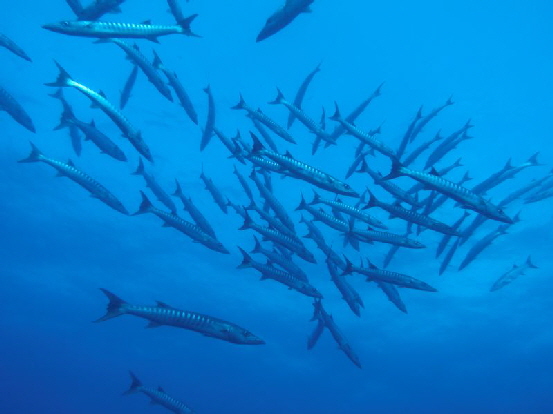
column 147, row 22
column 160, row 389
column 288, row 155
column 102, row 94
column 70, row 163
column 163, row 305
column 435, row 172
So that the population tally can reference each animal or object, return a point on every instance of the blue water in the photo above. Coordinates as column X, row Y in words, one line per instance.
column 461, row 350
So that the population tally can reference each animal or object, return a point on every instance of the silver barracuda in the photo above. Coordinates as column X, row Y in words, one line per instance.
column 283, row 17
column 215, row 192
column 301, row 94
column 9, row 44
column 426, row 119
column 508, row 277
column 210, row 120
column 193, row 211
column 68, row 170
column 97, row 8
column 128, row 87
column 154, row 186
column 349, row 294
column 274, row 256
column 14, row 109
column 163, row 314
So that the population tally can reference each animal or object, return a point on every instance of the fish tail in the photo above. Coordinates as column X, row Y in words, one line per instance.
column 530, row 264
column 364, row 167
column 257, row 145
column 395, row 171
column 145, row 206
column 66, row 117
column 157, row 63
column 246, row 259
column 533, row 160
column 185, row 25
column 349, row 267
column 241, row 104
column 302, row 204
column 63, row 78
column 140, row 168
column 247, row 222
column 34, row 156
column 135, row 384
column 114, row 307
column 336, row 116
column 316, row 198
column 178, row 190
column 58, row 94
column 373, row 202
column 257, row 247
column 278, row 99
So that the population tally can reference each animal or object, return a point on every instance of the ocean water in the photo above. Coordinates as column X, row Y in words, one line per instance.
column 460, row 350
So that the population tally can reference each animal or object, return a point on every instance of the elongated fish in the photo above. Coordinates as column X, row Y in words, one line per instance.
column 283, row 17
column 462, row 195
column 325, row 319
column 178, row 223
column 121, row 30
column 99, row 100
column 68, row 170
column 448, row 144
column 269, row 272
column 153, row 185
column 274, row 256
column 163, row 314
column 68, row 114
column 194, row 212
column 273, row 202
column 420, row 149
column 75, row 6
column 512, row 274
column 481, row 244
column 447, row 237
column 158, row 397
column 215, row 192
column 98, row 8
column 301, row 94
column 210, row 121
column 15, row 110
column 128, row 87
column 9, row 44
column 405, row 140
column 426, row 119
column 349, row 294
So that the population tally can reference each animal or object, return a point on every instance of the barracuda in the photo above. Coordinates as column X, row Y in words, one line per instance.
column 15, row 110
column 282, row 261
column 158, row 396
column 349, row 294
column 121, row 30
column 273, row 202
column 270, row 272
column 210, row 120
column 283, row 17
column 301, row 94
column 272, row 221
column 196, row 214
column 399, row 279
column 178, row 223
column 163, row 314
column 68, row 170
column 153, row 185
column 462, row 195
column 128, row 87
column 99, row 100
column 369, row 236
column 9, row 44
column 215, row 192
column 512, row 274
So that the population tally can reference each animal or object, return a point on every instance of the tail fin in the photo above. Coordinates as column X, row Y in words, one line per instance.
column 349, row 267
column 257, row 145
column 396, row 170
column 316, row 198
column 140, row 168
column 63, row 78
column 336, row 116
column 246, row 259
column 66, row 117
column 145, row 206
column 302, row 204
column 114, row 306
column 185, row 25
column 58, row 94
column 178, row 190
column 278, row 99
column 533, row 160
column 241, row 104
column 530, row 264
column 157, row 63
column 247, row 222
column 34, row 156
column 373, row 202
column 257, row 248
column 135, row 384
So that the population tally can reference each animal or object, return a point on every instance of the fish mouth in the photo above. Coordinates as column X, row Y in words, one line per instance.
column 51, row 26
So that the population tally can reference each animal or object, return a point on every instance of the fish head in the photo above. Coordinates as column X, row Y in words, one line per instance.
column 218, row 247
column 274, row 23
column 344, row 189
column 312, row 291
column 243, row 336
column 68, row 27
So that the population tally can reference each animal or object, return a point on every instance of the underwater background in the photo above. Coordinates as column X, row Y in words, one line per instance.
column 462, row 349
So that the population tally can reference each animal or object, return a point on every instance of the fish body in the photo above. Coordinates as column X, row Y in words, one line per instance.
column 285, row 263
column 231, row 144
column 128, row 87
column 158, row 397
column 273, row 202
column 481, row 244
column 163, row 314
column 449, row 255
column 484, row 186
column 191, row 230
column 420, row 149
column 386, row 237
column 153, row 185
column 273, row 221
column 196, row 214
column 98, row 8
column 99, row 100
column 68, row 170
column 405, row 139
column 301, row 94
column 426, row 119
column 215, row 192
column 210, row 121
column 9, row 44
column 15, row 110
column 533, row 185
column 264, row 133
column 349, row 295
column 288, row 279
column 447, row 144
column 181, row 94
column 283, row 17
column 392, row 293
column 462, row 195
column 512, row 274
column 244, row 184
column 447, row 237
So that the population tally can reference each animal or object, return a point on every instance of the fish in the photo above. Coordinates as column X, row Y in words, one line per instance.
column 315, row 234
column 264, row 133
column 98, row 8
column 244, row 184
column 471, row 228
column 511, row 173
column 282, row 261
column 231, row 144
column 512, row 274
column 264, row 119
column 462, row 195
column 484, row 186
column 426, row 119
column 438, row 199
column 442, row 172
column 69, row 170
column 215, row 192
column 273, row 221
column 405, row 140
column 269, row 272
column 113, row 30
column 481, row 244
column 394, row 248
column 419, row 150
column 323, row 318
column 127, row 88
column 392, row 293
column 290, row 243
column 412, row 216
column 315, row 335
column 302, row 117
column 448, row 143
column 283, row 17
column 210, row 121
column 449, row 255
column 67, row 115
column 99, row 100
column 14, row 109
column 193, row 211
column 322, row 216
column 447, row 237
column 371, row 235
column 367, row 138
column 349, row 295
column 177, row 86
column 301, row 94
column 149, row 69
column 158, row 396
column 533, row 185
column 9, row 44
column 75, row 6
column 172, row 220
column 163, row 314
column 153, row 185
column 303, row 171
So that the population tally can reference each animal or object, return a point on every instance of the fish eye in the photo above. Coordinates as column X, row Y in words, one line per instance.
column 65, row 23
column 247, row 334
column 347, row 186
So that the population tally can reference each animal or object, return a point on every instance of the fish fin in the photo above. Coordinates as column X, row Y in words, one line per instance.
column 185, row 25
column 145, row 206
column 63, row 78
column 246, row 259
column 114, row 307
column 135, row 384
column 160, row 389
column 140, row 168
column 530, row 264
column 396, row 170
column 152, row 325
column 278, row 99
column 34, row 156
